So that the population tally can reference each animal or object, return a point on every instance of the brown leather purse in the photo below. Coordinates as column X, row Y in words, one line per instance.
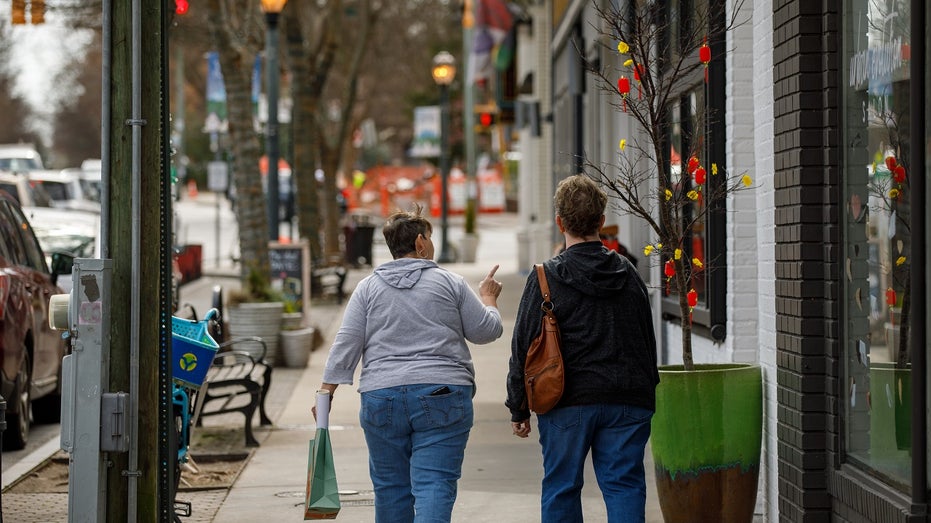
column 544, row 374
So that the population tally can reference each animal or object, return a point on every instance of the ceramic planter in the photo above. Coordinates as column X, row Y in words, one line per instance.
column 262, row 319
column 292, row 320
column 706, row 437
column 468, row 246
column 295, row 347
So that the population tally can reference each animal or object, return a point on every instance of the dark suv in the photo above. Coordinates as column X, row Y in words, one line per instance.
column 30, row 351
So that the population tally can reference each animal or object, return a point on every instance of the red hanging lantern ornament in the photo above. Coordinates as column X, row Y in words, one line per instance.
column 700, row 176
column 693, row 301
column 891, row 163
column 898, row 174
column 669, row 269
column 890, row 301
column 704, row 54
column 623, row 87
column 693, row 164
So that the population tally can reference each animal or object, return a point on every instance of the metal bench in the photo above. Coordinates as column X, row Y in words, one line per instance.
column 328, row 280
column 238, row 381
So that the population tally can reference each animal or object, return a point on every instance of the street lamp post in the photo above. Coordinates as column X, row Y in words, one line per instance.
column 272, row 9
column 444, row 71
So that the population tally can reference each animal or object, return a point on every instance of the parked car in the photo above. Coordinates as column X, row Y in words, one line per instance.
column 30, row 351
column 91, row 175
column 65, row 189
column 26, row 194
column 19, row 157
column 75, row 233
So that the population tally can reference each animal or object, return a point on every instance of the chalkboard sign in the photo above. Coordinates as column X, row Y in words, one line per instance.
column 286, row 263
column 290, row 272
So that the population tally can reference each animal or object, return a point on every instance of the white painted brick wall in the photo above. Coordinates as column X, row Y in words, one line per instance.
column 764, row 165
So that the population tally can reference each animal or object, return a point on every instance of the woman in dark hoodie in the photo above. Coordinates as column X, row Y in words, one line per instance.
column 609, row 354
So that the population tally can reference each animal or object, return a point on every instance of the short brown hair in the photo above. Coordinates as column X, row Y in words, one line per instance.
column 401, row 231
column 580, row 204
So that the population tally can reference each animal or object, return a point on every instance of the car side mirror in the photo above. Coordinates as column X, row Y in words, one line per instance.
column 62, row 263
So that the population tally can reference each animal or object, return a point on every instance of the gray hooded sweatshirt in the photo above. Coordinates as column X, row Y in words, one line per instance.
column 409, row 323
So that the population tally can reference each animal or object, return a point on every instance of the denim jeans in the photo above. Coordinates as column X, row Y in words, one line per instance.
column 416, row 446
column 616, row 435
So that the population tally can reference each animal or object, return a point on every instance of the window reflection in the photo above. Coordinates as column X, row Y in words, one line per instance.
column 687, row 141
column 877, row 243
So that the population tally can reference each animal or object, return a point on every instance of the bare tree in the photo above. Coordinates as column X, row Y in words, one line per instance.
column 16, row 112
column 659, row 60
column 77, row 131
column 237, row 29
column 352, row 60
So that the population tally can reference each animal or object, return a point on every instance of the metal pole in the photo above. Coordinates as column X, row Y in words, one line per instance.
column 132, row 472
column 217, row 157
column 271, row 131
column 444, row 173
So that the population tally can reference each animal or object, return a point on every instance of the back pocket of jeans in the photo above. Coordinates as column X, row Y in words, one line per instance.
column 376, row 410
column 443, row 410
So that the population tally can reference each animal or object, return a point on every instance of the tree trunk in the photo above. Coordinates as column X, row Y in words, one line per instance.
column 251, row 212
column 330, row 162
column 304, row 136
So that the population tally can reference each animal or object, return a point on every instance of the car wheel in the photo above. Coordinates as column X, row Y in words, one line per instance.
column 17, row 416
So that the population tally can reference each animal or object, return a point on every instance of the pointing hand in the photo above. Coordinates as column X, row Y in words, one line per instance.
column 490, row 287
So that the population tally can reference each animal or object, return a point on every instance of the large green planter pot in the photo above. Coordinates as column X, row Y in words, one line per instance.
column 891, row 418
column 706, row 437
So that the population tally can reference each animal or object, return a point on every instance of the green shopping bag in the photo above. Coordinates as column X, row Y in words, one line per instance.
column 322, row 498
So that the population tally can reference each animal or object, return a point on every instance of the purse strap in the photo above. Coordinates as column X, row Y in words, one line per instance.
column 544, row 286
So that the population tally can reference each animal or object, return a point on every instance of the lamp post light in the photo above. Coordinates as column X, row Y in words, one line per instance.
column 444, row 72
column 272, row 9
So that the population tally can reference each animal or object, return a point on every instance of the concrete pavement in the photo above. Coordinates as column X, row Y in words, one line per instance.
column 501, row 474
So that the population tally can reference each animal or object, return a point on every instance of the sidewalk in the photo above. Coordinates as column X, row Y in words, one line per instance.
column 501, row 474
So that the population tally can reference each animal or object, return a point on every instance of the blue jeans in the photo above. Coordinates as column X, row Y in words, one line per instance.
column 616, row 436
column 416, row 446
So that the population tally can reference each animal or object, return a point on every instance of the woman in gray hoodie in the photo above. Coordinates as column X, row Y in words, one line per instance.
column 408, row 323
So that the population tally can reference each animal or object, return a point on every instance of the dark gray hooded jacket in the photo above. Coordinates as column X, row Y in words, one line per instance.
column 608, row 343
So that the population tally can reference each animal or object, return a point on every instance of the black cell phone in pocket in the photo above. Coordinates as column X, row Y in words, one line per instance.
column 441, row 391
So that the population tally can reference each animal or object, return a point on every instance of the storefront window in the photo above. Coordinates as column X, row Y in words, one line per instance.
column 876, row 235
column 686, row 140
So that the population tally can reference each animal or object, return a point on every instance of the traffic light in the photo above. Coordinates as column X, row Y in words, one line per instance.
column 37, row 12
column 181, row 7
column 486, row 120
column 18, row 13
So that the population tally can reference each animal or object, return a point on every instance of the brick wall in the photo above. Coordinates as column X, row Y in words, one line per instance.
column 805, row 99
column 761, row 44
column 814, row 482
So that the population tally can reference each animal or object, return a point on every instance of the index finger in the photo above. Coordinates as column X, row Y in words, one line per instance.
column 494, row 269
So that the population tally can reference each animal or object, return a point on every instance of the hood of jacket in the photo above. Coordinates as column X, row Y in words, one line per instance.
column 591, row 268
column 403, row 273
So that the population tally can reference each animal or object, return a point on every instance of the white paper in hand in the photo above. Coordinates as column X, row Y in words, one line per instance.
column 323, row 409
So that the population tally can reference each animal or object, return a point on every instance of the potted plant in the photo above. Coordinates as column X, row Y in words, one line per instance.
column 469, row 242
column 706, row 432
column 296, row 339
column 255, row 309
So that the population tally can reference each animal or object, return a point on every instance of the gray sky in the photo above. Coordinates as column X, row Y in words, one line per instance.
column 39, row 53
